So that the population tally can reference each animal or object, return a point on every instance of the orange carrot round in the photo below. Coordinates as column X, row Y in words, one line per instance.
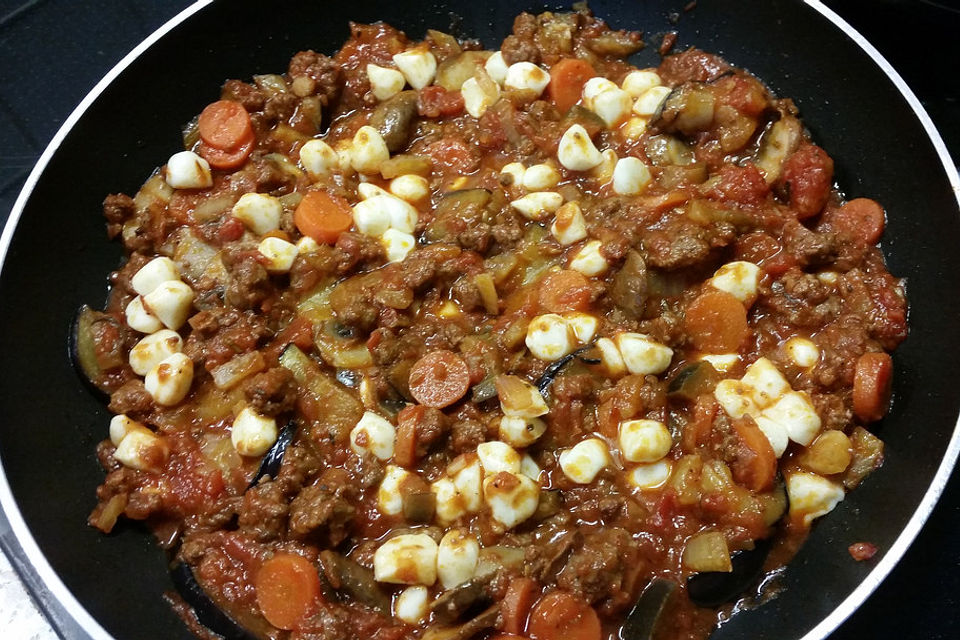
column 323, row 216
column 288, row 587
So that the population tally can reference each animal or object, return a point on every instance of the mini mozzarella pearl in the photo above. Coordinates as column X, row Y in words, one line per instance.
column 187, row 170
column 279, row 254
column 253, row 434
column 775, row 433
column 476, row 101
column 368, row 150
column 537, row 205
column 397, row 244
column 576, row 150
column 549, row 337
column 142, row 450
column 516, row 171
column 169, row 381
column 722, row 362
column 372, row 216
column 596, row 86
column 260, row 212
column 389, row 499
column 735, row 398
column 318, row 158
column 450, row 504
column 406, row 559
column 650, row 100
column 498, row 456
column 610, row 357
column 634, row 127
column 828, row 277
column 468, row 481
column 630, row 177
column 650, row 476
column 412, row 605
column 583, row 325
column 803, row 352
column 765, row 381
column 603, row 172
column 589, row 261
column 643, row 355
column 373, row 434
column 384, row 83
column 798, row 416
column 153, row 274
column 496, row 68
column 367, row 190
column 644, row 440
column 139, row 319
column 410, row 187
column 613, row 106
column 401, row 214
column 457, row 556
column 521, row 432
column 344, row 149
column 585, row 460
column 512, row 497
column 418, row 66
column 153, row 349
column 740, row 279
column 540, row 177
column 529, row 467
column 306, row 245
column 569, row 225
column 812, row 496
column 121, row 426
column 526, row 76
column 636, row 83
column 170, row 303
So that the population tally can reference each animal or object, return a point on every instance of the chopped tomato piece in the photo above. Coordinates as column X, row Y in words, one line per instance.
column 563, row 291
column 872, row 380
column 808, row 176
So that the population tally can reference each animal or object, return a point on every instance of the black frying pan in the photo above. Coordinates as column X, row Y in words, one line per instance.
column 57, row 259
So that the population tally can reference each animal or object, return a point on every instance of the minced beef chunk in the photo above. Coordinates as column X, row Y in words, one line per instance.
column 272, row 392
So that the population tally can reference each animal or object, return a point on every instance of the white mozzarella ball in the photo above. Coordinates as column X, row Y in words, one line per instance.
column 740, row 279
column 121, row 426
column 529, row 467
column 538, row 205
column 496, row 67
column 630, row 177
column 318, row 158
column 418, row 66
column 634, row 127
column 828, row 277
column 397, row 244
column 613, row 106
column 153, row 274
column 389, row 499
column 170, row 303
column 384, row 82
column 798, row 416
column 569, row 225
column 736, row 398
column 187, row 170
column 406, row 559
column 589, row 261
column 765, row 381
column 403, row 216
column 644, row 440
column 583, row 325
column 812, row 496
column 650, row 476
column 412, row 605
column 498, row 456
column 775, row 432
column 802, row 352
column 722, row 362
column 253, row 434
column 582, row 462
column 642, row 355
column 603, row 172
column 373, row 434
column 540, row 177
column 457, row 556
column 636, row 83
column 259, row 212
column 476, row 101
column 650, row 100
column 367, row 190
column 169, row 381
column 410, row 187
column 520, row 432
column 142, row 450
column 450, row 507
column 279, row 254
column 512, row 497
column 516, row 171
column 610, row 357
column 372, row 216
column 526, row 76
column 549, row 337
column 153, row 349
column 576, row 150
column 368, row 150
column 306, row 245
column 344, row 149
column 139, row 319
column 467, row 475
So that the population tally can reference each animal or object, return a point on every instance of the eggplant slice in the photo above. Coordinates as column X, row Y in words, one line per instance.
column 642, row 620
column 714, row 588
column 208, row 613
column 273, row 458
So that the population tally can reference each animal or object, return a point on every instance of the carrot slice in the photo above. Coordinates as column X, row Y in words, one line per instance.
column 516, row 604
column 563, row 616
column 567, row 78
column 225, row 125
column 716, row 322
column 507, row 636
column 563, row 291
column 323, row 216
column 287, row 587
column 755, row 464
column 405, row 448
column 439, row 379
column 872, row 380
column 227, row 159
column 861, row 219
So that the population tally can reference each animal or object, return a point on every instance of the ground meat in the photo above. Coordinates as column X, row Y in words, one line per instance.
column 598, row 569
column 802, row 299
column 117, row 208
column 520, row 47
column 132, row 397
column 279, row 107
column 809, row 247
column 250, row 96
column 248, row 284
column 465, row 435
column 692, row 64
column 263, row 512
column 322, row 70
column 679, row 245
column 321, row 511
column 272, row 392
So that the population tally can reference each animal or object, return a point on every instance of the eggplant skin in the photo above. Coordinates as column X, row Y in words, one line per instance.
column 273, row 458
column 80, row 345
column 208, row 613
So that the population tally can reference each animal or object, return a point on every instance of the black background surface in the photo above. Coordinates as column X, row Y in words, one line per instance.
column 52, row 52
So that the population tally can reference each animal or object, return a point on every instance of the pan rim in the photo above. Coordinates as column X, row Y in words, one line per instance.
column 52, row 581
